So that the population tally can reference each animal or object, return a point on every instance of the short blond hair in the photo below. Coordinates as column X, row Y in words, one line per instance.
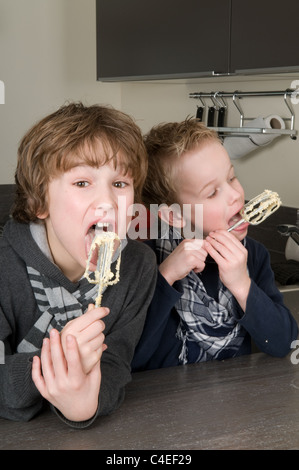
column 72, row 133
column 165, row 144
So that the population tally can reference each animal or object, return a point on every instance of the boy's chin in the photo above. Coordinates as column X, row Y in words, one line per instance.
column 240, row 235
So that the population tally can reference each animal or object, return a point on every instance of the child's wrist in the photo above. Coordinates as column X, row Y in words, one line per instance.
column 241, row 294
column 167, row 275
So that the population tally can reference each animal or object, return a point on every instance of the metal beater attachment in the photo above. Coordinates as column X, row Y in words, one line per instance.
column 103, row 276
column 259, row 208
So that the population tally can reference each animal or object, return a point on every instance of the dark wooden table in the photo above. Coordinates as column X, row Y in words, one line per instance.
column 251, row 402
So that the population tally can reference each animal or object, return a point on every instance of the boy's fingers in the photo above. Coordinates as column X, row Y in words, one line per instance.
column 42, row 370
column 91, row 315
column 37, row 376
column 57, row 354
column 73, row 358
column 46, row 360
column 226, row 237
column 195, row 244
column 91, row 332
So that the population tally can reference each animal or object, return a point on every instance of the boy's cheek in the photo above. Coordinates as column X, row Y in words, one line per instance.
column 125, row 214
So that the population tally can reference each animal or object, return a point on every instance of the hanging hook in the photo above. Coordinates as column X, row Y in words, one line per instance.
column 238, row 108
column 211, row 111
column 219, row 100
column 221, row 109
column 200, row 109
column 285, row 97
column 202, row 102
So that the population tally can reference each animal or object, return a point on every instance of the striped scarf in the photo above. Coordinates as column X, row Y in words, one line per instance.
column 209, row 324
column 57, row 307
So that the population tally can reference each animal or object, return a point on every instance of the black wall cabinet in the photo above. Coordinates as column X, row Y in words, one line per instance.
column 159, row 39
column 264, row 35
column 144, row 39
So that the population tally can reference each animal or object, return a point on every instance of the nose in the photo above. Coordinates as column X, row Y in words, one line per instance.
column 104, row 199
column 104, row 209
column 233, row 195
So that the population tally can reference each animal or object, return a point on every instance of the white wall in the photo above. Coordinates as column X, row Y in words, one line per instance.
column 48, row 56
column 274, row 167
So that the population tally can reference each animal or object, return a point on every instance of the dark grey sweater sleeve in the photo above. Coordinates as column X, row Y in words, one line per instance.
column 19, row 398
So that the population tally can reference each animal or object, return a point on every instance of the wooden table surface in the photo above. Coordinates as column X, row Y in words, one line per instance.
column 251, row 402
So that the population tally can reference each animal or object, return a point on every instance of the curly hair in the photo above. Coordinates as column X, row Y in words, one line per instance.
column 165, row 144
column 70, row 135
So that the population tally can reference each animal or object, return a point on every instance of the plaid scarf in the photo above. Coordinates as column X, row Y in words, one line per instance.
column 209, row 324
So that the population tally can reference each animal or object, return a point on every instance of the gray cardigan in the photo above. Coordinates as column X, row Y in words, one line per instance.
column 128, row 302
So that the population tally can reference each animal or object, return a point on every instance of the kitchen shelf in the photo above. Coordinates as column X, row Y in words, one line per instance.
column 218, row 97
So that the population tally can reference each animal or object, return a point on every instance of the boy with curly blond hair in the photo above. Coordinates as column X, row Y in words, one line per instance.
column 215, row 293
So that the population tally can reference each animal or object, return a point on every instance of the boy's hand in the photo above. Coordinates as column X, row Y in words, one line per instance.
column 88, row 331
column 231, row 257
column 61, row 380
column 188, row 255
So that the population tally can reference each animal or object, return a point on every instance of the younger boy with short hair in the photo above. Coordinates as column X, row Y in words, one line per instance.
column 216, row 294
column 73, row 166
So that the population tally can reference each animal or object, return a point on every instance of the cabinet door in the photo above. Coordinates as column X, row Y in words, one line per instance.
column 264, row 35
column 148, row 39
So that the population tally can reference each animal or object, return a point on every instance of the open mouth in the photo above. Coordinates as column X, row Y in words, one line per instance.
column 98, row 228
column 94, row 230
column 102, row 227
column 237, row 223
column 234, row 219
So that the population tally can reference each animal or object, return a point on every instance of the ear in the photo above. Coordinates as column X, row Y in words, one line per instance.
column 172, row 215
column 42, row 212
column 42, row 215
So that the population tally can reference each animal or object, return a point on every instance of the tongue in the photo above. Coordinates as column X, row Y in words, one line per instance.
column 88, row 241
column 234, row 220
